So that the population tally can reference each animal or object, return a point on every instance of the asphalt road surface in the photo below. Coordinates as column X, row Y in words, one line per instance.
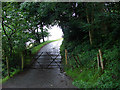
column 38, row 76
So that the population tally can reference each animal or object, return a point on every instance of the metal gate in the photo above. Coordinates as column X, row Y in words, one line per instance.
column 47, row 60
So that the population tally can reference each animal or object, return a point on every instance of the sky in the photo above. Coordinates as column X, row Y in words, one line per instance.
column 55, row 32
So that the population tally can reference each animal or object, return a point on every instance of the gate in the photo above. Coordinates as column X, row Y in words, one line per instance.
column 47, row 60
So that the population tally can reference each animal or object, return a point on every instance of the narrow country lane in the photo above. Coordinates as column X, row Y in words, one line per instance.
column 41, row 78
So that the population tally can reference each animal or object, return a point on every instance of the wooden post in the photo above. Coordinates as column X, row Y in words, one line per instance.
column 7, row 63
column 98, row 60
column 22, row 61
column 79, row 59
column 66, row 56
column 101, row 60
column 77, row 64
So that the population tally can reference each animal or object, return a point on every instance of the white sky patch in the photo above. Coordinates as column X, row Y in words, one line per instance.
column 55, row 32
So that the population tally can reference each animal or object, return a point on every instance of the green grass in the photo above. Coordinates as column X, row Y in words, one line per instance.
column 84, row 78
column 11, row 75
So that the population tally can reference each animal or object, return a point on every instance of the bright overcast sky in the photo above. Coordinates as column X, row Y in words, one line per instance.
column 55, row 32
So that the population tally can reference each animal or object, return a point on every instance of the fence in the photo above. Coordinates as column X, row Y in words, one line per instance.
column 10, row 65
column 78, row 62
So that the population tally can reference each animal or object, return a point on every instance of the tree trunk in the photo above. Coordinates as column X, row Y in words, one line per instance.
column 88, row 20
column 8, row 38
column 38, row 37
column 42, row 33
column 90, row 36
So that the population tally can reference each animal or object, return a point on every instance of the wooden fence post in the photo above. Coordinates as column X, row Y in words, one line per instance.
column 66, row 56
column 101, row 60
column 77, row 64
column 22, row 61
column 7, row 63
column 98, row 60
column 79, row 59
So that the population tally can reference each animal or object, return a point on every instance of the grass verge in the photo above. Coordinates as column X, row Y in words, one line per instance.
column 37, row 48
column 11, row 75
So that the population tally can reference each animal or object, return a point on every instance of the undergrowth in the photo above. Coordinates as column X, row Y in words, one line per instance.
column 87, row 74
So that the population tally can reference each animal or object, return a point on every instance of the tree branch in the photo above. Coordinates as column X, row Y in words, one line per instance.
column 11, row 29
column 8, row 26
column 4, row 29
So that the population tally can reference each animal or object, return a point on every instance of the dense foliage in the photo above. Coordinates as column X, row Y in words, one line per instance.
column 96, row 28
column 87, row 27
column 18, row 28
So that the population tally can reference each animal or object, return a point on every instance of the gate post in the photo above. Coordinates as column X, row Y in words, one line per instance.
column 101, row 60
column 7, row 63
column 66, row 56
column 22, row 61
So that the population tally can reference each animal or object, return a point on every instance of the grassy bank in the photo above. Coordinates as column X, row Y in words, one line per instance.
column 7, row 77
column 87, row 74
